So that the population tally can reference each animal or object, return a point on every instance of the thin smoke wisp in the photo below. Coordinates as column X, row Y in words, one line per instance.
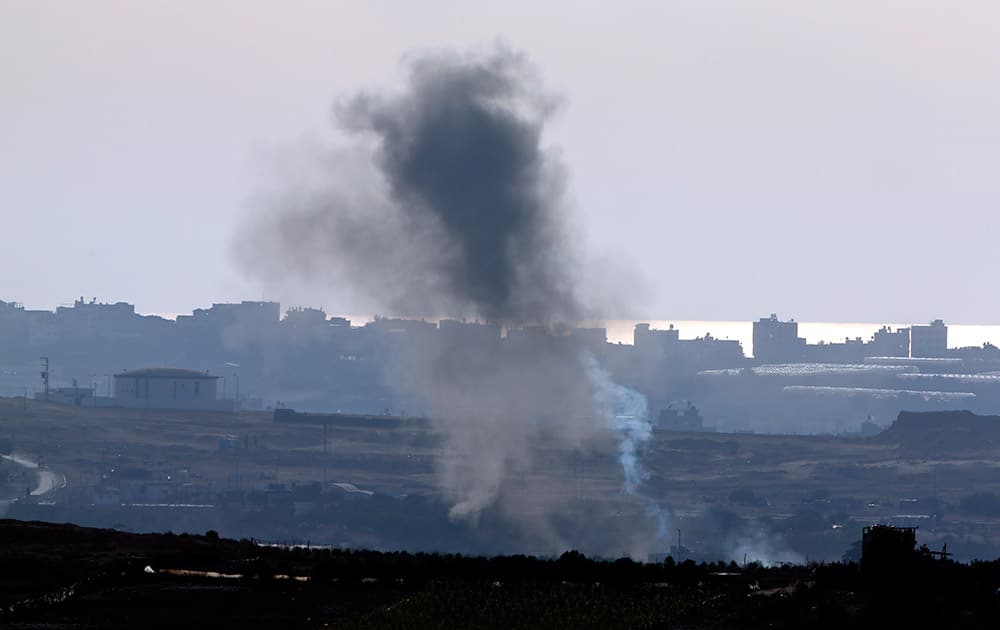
column 626, row 414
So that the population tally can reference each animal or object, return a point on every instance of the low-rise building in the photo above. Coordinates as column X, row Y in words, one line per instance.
column 169, row 388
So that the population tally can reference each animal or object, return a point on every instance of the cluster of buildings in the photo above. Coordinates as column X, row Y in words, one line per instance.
column 253, row 355
column 775, row 341
column 298, row 357
column 705, row 351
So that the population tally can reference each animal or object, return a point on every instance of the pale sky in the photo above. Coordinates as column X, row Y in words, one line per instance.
column 829, row 161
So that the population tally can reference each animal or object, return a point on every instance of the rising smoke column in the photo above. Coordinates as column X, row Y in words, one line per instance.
column 626, row 413
column 445, row 202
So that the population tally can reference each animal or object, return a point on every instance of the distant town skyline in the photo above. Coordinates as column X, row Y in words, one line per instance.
column 620, row 330
column 724, row 160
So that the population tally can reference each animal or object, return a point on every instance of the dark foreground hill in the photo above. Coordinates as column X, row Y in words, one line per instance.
column 63, row 576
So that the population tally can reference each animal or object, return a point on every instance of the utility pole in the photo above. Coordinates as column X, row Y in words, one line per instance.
column 45, row 376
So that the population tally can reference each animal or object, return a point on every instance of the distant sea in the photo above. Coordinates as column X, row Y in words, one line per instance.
column 620, row 330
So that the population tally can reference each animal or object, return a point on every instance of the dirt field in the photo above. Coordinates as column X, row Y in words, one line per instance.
column 80, row 443
column 917, row 472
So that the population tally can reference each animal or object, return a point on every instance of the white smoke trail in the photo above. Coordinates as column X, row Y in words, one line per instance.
column 625, row 411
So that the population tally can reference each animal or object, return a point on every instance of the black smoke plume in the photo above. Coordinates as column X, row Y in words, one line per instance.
column 446, row 205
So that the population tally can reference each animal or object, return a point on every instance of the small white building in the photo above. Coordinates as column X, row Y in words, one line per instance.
column 169, row 388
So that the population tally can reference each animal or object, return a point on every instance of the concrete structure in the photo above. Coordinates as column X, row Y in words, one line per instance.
column 258, row 314
column 13, row 326
column 305, row 318
column 225, row 327
column 775, row 341
column 646, row 339
column 709, row 352
column 930, row 340
column 702, row 352
column 169, row 388
column 680, row 418
column 888, row 343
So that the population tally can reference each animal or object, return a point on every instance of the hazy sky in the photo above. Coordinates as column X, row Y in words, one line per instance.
column 828, row 161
